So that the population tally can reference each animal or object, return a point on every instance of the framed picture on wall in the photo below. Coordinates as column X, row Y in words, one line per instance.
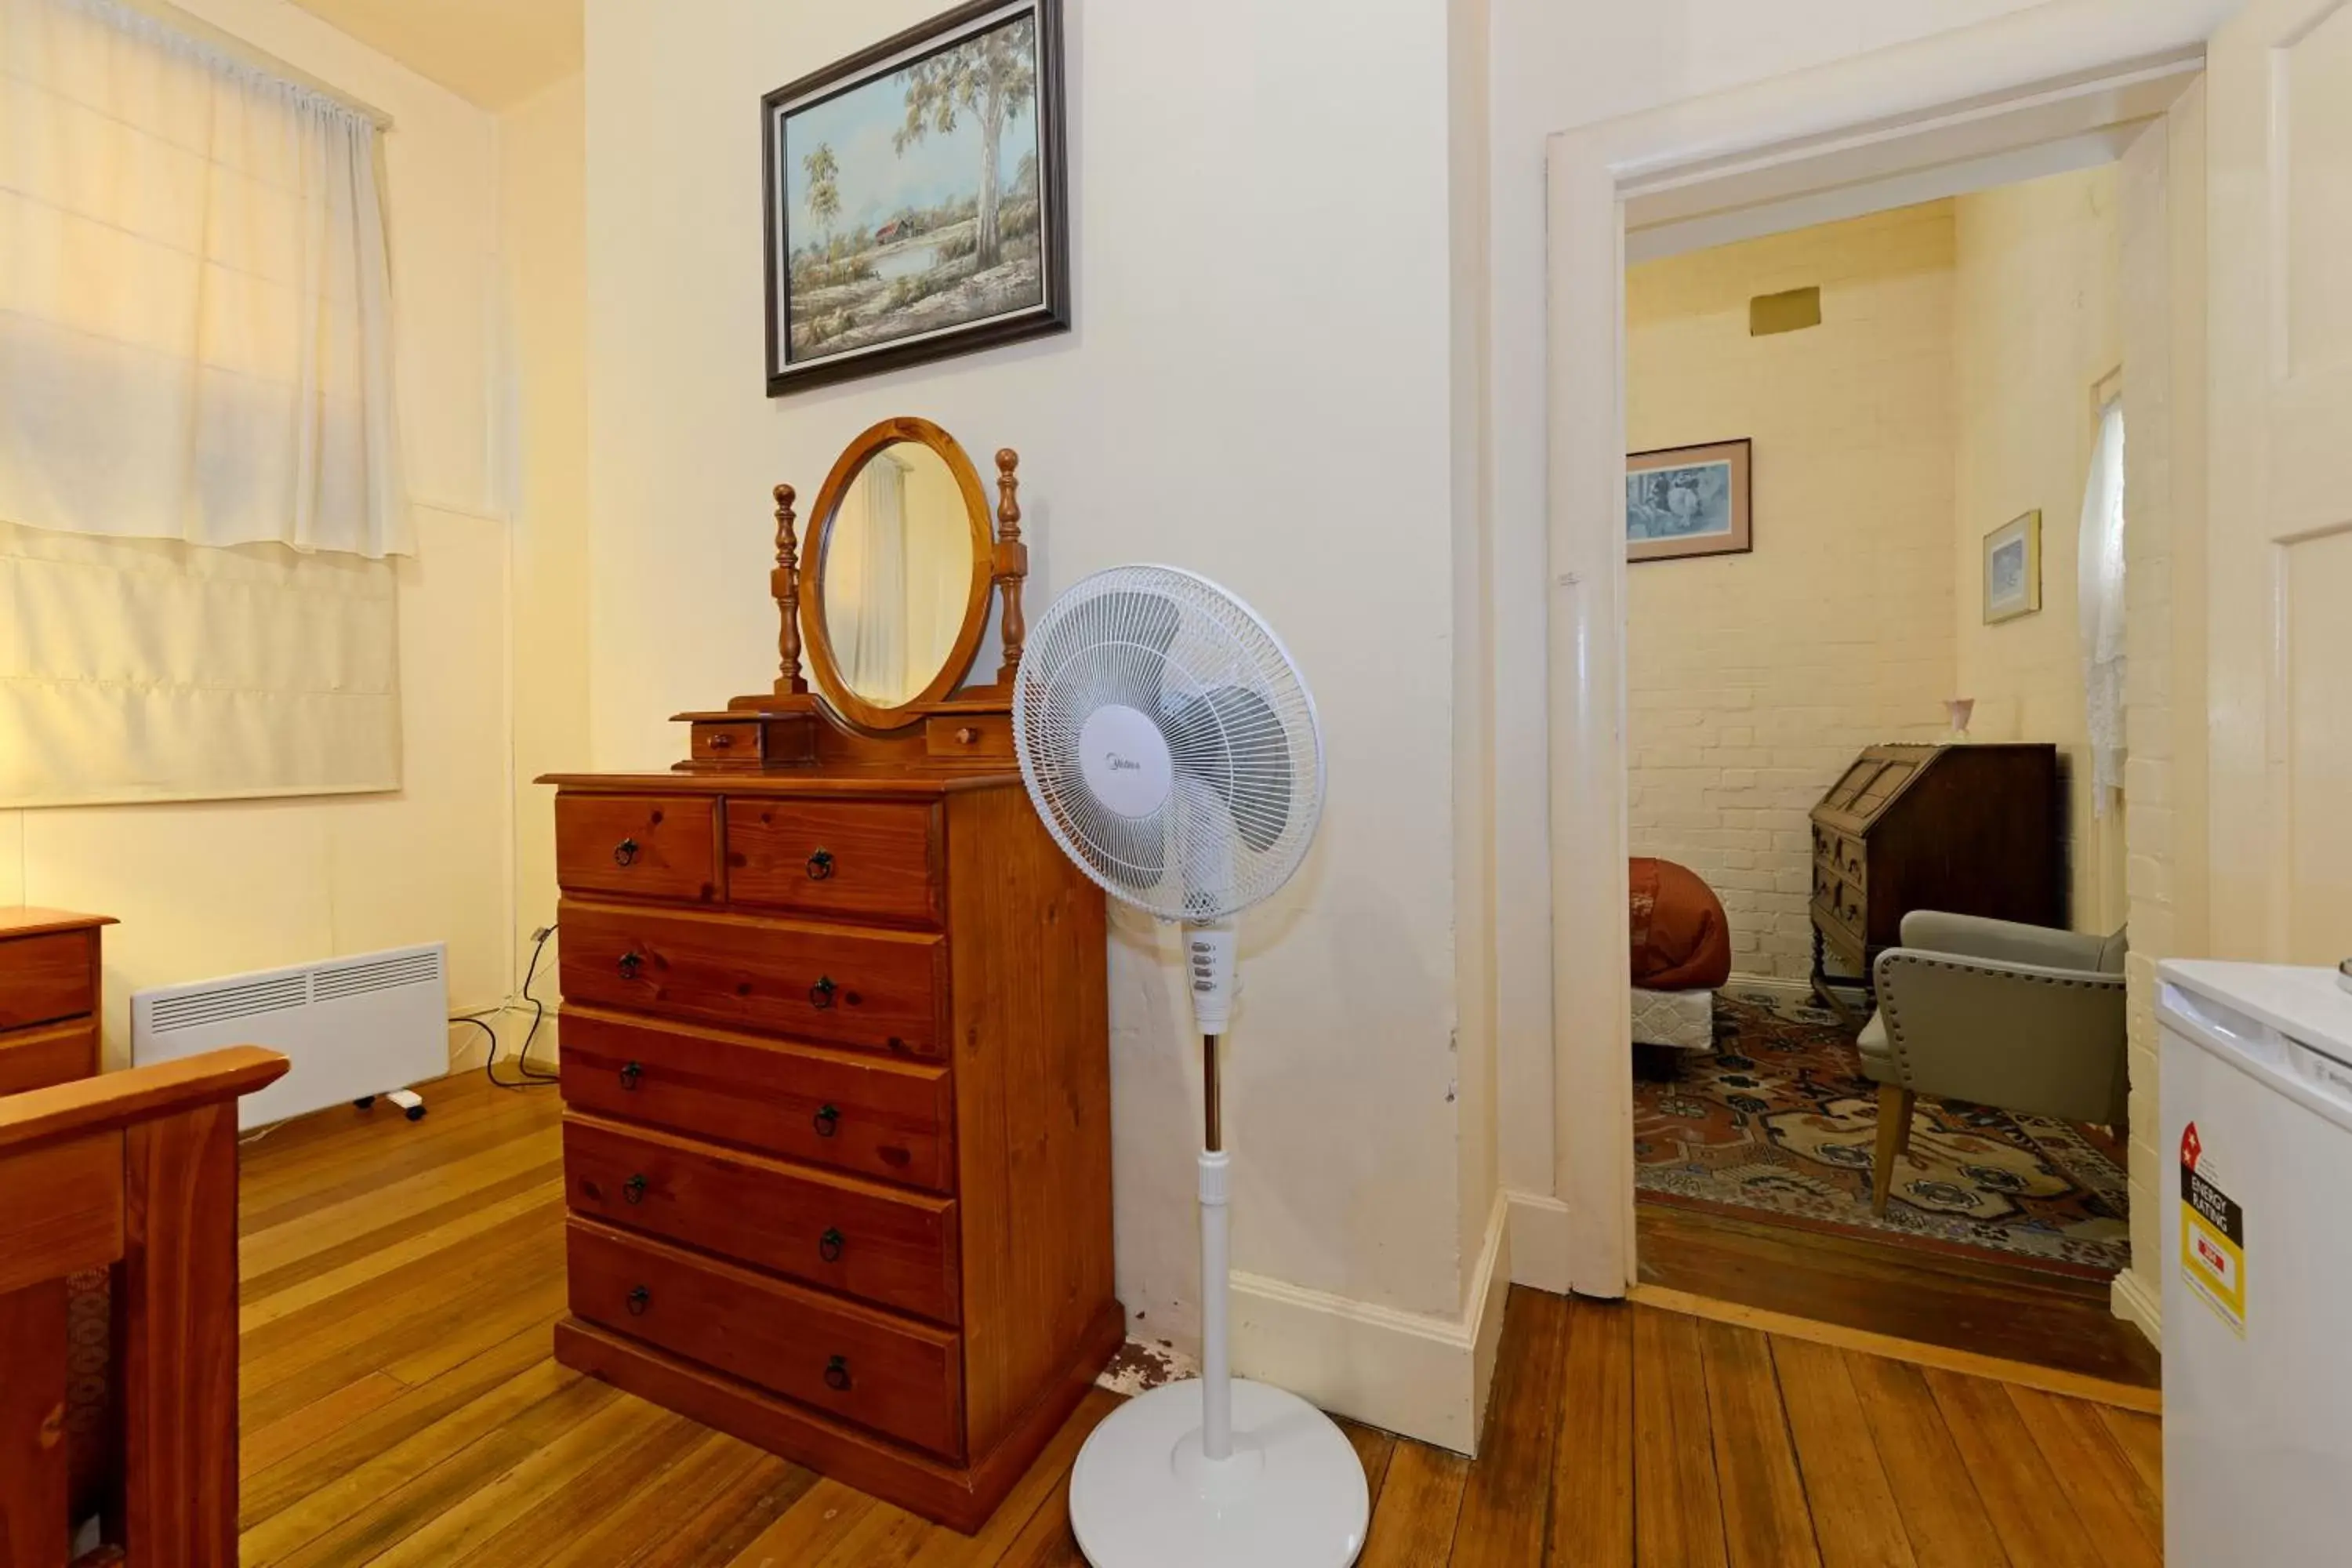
column 2012, row 569
column 1687, row 501
column 916, row 197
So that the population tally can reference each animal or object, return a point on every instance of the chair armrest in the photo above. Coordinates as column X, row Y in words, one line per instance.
column 2006, row 941
column 2027, row 1038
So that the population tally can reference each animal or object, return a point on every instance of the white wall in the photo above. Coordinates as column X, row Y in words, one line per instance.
column 2038, row 320
column 1752, row 680
column 1260, row 386
column 208, row 889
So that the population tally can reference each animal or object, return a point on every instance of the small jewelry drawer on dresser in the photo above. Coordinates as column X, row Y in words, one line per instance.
column 652, row 847
column 903, row 1379
column 864, row 1114
column 864, row 859
column 841, row 984
column 894, row 1249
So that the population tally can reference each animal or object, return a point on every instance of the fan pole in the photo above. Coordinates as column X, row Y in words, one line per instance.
column 1216, row 1260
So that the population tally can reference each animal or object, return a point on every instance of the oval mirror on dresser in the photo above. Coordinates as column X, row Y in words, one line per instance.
column 895, row 592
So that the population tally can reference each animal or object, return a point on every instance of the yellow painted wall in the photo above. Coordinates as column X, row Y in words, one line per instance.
column 542, row 201
column 1753, row 679
column 213, row 889
column 2037, row 325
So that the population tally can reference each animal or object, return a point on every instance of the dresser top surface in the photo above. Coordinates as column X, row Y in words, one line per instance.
column 890, row 782
column 27, row 920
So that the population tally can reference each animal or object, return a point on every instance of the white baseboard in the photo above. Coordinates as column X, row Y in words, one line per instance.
column 1422, row 1375
column 2138, row 1302
column 1539, row 1241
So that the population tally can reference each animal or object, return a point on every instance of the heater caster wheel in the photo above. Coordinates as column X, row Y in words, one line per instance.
column 364, row 1102
column 416, row 1113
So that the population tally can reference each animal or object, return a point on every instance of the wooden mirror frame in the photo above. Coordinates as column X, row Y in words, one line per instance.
column 823, row 668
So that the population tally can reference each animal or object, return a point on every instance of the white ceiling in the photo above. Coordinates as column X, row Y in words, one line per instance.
column 495, row 52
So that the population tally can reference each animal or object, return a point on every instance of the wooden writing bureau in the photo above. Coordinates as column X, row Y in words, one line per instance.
column 834, row 1064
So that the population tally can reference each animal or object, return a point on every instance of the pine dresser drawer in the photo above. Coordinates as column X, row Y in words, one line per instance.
column 46, row 978
column 894, row 1249
column 835, row 860
column 839, row 984
column 58, row 1053
column 865, row 1114
column 899, row 1378
column 645, row 847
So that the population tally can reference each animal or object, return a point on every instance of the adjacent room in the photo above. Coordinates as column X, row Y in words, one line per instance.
column 853, row 787
column 1873, row 501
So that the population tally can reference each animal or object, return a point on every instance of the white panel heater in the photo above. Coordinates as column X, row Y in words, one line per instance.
column 351, row 1027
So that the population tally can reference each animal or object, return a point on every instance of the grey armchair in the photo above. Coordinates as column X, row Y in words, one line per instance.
column 2017, row 1016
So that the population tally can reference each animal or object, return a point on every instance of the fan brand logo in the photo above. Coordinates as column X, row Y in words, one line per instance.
column 1120, row 764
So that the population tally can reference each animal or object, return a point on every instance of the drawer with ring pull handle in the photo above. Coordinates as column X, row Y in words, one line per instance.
column 894, row 1248
column 867, row 986
column 893, row 1375
column 848, row 1111
column 857, row 859
column 650, row 846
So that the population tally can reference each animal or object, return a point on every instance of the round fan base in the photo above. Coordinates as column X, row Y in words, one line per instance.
column 1292, row 1496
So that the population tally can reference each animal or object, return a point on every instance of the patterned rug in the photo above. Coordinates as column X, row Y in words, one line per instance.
column 1779, row 1123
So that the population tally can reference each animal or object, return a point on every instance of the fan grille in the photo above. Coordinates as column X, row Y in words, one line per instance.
column 1236, row 719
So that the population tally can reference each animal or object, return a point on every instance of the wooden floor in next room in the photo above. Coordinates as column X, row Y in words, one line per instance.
column 401, row 1408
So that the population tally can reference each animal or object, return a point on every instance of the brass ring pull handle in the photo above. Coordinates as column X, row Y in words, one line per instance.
column 633, row 1189
column 829, row 1246
column 639, row 1300
column 821, row 994
column 629, row 963
column 836, row 1374
column 828, row 1120
column 630, row 1074
column 820, row 864
column 624, row 853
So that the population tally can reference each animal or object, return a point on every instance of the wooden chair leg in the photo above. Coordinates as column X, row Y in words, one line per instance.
column 1894, row 1140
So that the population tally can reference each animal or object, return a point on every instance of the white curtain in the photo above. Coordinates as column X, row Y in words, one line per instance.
column 195, row 333
column 2100, row 586
column 874, row 655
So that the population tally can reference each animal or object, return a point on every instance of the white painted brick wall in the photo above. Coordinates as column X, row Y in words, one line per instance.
column 1752, row 679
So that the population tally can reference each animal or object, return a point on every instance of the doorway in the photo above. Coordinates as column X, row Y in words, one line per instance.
column 1614, row 190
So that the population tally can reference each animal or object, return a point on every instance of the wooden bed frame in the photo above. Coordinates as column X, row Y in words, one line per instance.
column 134, row 1171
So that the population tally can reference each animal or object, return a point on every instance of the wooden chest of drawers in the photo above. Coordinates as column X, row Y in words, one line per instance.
column 838, row 1128
column 49, row 997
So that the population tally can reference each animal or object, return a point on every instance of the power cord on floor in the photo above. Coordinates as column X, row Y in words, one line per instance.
column 530, row 1077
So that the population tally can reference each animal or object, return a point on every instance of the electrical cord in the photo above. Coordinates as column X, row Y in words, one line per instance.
column 530, row 1077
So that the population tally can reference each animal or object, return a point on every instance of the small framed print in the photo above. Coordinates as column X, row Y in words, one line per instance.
column 1687, row 501
column 2012, row 569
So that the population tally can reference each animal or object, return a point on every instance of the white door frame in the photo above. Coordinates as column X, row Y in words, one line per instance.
column 1892, row 114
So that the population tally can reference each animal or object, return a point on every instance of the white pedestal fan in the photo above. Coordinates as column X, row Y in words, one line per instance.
column 1171, row 747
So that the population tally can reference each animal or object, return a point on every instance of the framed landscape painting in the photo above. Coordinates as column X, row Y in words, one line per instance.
column 916, row 203
column 2012, row 569
column 1687, row 501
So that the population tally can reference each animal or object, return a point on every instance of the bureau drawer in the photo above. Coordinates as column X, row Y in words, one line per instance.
column 60, row 1053
column 835, row 983
column 894, row 1249
column 1839, row 905
column 902, row 1379
column 46, row 978
column 652, row 847
column 859, row 1113
column 864, row 859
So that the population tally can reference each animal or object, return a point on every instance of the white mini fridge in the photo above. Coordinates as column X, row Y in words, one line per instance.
column 2256, row 1197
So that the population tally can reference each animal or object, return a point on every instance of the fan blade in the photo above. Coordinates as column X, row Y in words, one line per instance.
column 1132, row 618
column 1230, row 739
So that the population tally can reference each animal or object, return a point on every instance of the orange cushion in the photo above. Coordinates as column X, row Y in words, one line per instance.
column 1681, row 939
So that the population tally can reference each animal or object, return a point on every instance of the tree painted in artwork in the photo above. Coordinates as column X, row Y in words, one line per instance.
column 992, row 76
column 823, row 172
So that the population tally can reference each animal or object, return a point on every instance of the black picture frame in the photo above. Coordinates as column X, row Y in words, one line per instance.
column 1052, row 313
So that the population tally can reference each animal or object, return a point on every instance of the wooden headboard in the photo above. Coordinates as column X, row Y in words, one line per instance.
column 136, row 1172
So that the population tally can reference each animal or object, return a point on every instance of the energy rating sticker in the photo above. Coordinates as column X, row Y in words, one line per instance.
column 2213, row 1236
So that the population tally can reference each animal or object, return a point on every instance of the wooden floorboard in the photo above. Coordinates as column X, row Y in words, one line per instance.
column 401, row 1410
